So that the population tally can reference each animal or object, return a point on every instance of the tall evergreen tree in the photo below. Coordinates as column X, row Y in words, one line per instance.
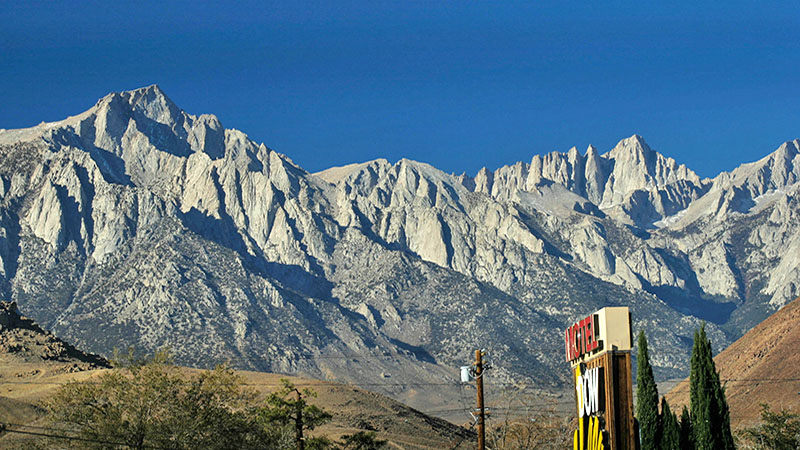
column 686, row 430
column 698, row 398
column 670, row 430
column 646, row 398
column 710, row 415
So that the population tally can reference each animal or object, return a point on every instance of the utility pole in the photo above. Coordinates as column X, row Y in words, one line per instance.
column 479, row 383
column 298, row 424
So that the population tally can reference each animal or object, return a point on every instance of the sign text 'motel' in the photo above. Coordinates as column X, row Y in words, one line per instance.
column 582, row 338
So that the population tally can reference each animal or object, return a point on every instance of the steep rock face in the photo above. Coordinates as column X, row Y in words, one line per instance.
column 743, row 234
column 136, row 223
column 636, row 167
column 631, row 182
column 687, row 248
column 711, row 264
column 415, row 207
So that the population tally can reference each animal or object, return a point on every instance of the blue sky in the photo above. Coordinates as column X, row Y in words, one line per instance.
column 460, row 85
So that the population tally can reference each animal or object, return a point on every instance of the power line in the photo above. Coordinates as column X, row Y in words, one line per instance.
column 554, row 402
column 303, row 384
column 740, row 382
column 270, row 384
column 464, row 436
column 751, row 381
column 67, row 437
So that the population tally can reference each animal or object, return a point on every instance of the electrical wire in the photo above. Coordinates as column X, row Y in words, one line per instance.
column 743, row 381
column 458, row 443
column 6, row 429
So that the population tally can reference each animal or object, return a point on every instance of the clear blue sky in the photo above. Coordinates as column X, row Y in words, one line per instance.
column 460, row 84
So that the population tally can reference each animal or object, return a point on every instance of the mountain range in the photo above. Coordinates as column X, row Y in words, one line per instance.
column 137, row 224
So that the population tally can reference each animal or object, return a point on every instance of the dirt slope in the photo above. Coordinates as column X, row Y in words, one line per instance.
column 761, row 367
column 34, row 363
column 353, row 409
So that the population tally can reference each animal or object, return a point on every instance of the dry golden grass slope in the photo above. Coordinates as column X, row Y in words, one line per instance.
column 24, row 385
column 33, row 364
column 763, row 366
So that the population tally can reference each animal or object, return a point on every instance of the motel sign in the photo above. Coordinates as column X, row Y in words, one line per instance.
column 598, row 347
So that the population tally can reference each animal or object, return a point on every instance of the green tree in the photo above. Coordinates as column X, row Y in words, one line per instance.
column 289, row 407
column 151, row 404
column 317, row 443
column 670, row 429
column 709, row 409
column 646, row 398
column 686, row 430
column 362, row 441
column 777, row 431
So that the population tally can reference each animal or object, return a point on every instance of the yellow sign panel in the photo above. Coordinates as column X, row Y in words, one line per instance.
column 589, row 435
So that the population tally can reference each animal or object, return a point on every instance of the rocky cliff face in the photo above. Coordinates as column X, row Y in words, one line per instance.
column 633, row 183
column 136, row 223
column 22, row 339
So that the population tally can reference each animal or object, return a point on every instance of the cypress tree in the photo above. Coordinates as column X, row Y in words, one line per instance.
column 646, row 398
column 697, row 398
column 670, row 430
column 686, row 441
column 710, row 415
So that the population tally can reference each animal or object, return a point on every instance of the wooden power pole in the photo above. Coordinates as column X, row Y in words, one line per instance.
column 479, row 383
column 298, row 425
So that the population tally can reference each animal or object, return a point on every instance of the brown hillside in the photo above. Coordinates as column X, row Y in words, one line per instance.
column 23, row 386
column 22, row 340
column 761, row 367
column 34, row 363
